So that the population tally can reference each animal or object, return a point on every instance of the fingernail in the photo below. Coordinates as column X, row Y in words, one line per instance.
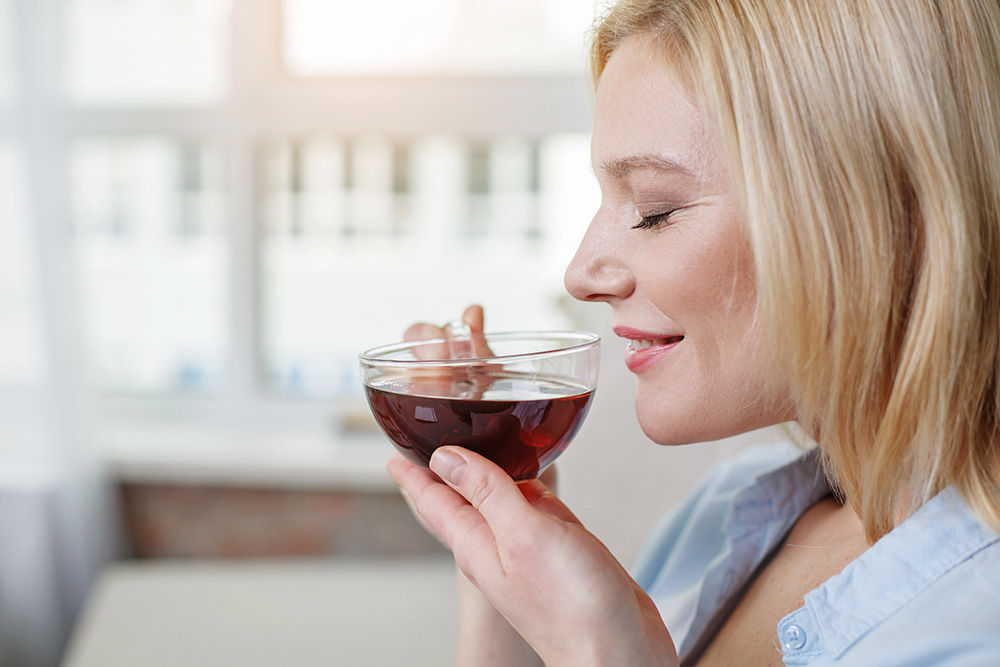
column 448, row 465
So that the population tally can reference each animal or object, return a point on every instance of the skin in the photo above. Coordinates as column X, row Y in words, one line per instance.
column 690, row 274
column 536, row 585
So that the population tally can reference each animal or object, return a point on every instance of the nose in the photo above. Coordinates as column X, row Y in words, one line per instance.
column 599, row 270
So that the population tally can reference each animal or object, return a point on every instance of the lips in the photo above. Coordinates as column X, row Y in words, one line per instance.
column 645, row 348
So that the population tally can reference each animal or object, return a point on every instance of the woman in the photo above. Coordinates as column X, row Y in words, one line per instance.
column 800, row 221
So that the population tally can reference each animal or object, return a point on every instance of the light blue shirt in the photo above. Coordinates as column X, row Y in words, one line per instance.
column 927, row 593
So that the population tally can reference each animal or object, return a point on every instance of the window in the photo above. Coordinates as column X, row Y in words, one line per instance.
column 153, row 259
column 435, row 37
column 257, row 190
column 363, row 235
column 146, row 53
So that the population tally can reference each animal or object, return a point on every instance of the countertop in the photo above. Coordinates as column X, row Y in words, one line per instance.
column 267, row 613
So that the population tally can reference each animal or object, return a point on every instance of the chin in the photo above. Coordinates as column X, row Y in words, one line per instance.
column 672, row 428
column 671, row 418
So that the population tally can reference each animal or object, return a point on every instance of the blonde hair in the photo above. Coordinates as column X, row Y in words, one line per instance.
column 865, row 138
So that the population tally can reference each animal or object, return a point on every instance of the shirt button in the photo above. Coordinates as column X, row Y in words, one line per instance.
column 793, row 638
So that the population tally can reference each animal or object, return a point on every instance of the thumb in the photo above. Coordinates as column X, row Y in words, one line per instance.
column 483, row 484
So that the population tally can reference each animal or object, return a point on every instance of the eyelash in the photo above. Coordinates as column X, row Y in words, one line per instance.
column 654, row 221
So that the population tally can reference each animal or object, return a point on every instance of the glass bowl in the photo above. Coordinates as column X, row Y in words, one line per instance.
column 517, row 398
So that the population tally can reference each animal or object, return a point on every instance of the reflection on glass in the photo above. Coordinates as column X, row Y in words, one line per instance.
column 436, row 37
column 149, row 224
column 363, row 235
column 146, row 53
column 8, row 81
column 22, row 357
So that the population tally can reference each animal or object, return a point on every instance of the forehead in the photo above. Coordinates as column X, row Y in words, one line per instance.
column 644, row 108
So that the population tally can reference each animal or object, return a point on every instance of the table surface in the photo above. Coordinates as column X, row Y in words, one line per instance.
column 245, row 614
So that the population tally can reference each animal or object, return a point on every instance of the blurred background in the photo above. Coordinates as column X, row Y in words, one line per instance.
column 207, row 209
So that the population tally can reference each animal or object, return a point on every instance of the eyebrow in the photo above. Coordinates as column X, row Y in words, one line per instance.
column 622, row 167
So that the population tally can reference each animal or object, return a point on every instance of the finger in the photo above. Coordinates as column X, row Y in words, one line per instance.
column 445, row 511
column 406, row 473
column 419, row 519
column 476, row 319
column 543, row 493
column 398, row 463
column 486, row 487
column 550, row 478
column 537, row 492
column 542, row 498
column 424, row 331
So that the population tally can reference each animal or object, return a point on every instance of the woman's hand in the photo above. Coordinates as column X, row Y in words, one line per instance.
column 473, row 317
column 485, row 638
column 557, row 585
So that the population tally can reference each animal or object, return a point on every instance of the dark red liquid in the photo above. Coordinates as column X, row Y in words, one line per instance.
column 521, row 436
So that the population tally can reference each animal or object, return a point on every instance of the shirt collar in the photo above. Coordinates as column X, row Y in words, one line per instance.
column 778, row 497
column 760, row 515
column 936, row 538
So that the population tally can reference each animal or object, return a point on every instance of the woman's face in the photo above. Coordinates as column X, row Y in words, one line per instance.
column 668, row 251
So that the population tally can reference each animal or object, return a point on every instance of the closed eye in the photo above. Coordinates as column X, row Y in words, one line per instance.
column 655, row 220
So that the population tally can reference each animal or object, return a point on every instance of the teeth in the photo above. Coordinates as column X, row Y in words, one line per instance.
column 642, row 344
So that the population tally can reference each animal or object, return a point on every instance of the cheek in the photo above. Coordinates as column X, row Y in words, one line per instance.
column 722, row 383
column 728, row 341
column 710, row 291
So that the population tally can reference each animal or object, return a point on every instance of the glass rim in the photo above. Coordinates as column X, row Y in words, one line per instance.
column 376, row 356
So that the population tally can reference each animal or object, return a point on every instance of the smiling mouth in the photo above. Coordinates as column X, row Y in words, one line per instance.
column 637, row 344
